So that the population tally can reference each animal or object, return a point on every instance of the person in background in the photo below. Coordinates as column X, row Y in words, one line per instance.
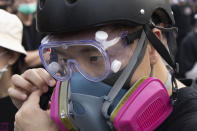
column 173, row 2
column 12, row 56
column 4, row 4
column 183, row 17
column 7, row 5
column 188, row 55
column 31, row 38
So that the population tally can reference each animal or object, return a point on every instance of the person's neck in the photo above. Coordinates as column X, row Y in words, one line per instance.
column 5, row 83
column 25, row 18
column 161, row 72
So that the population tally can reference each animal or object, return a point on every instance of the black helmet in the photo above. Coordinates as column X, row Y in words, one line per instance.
column 55, row 16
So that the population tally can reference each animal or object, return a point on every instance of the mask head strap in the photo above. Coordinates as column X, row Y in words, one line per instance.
column 161, row 49
column 133, row 36
column 134, row 61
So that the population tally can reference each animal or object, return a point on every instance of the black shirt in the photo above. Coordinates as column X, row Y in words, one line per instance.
column 184, row 115
column 7, row 114
column 31, row 37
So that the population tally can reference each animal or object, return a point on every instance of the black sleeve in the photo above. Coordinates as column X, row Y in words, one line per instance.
column 184, row 115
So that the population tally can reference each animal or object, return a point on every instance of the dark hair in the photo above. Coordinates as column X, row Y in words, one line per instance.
column 160, row 16
column 19, row 66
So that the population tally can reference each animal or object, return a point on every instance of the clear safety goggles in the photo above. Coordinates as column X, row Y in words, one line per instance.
column 95, row 59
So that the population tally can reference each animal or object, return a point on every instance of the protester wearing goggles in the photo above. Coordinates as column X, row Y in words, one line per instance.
column 121, row 50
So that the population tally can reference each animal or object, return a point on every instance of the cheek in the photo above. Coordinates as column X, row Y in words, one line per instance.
column 143, row 69
column 127, row 54
column 3, row 63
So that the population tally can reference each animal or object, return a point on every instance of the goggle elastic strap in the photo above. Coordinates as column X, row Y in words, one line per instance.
column 137, row 35
column 133, row 36
column 134, row 61
column 161, row 49
column 165, row 29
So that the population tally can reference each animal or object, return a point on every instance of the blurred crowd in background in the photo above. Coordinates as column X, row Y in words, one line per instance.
column 184, row 53
column 19, row 43
column 25, row 10
column 185, row 14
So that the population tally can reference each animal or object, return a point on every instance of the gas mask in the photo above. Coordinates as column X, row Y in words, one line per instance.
column 77, row 105
column 83, row 102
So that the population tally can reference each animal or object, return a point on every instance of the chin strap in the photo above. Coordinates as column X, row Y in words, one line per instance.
column 134, row 61
column 168, row 83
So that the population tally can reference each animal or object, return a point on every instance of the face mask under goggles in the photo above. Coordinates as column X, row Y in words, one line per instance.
column 95, row 59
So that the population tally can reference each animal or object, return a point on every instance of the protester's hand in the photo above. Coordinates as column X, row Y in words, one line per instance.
column 30, row 117
column 29, row 81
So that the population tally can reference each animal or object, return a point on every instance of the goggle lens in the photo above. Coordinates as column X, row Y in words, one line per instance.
column 61, row 60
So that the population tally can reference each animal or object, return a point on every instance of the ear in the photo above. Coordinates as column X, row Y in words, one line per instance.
column 13, row 57
column 154, row 56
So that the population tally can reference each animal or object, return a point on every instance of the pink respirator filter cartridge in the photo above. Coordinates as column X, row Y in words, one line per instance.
column 144, row 110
